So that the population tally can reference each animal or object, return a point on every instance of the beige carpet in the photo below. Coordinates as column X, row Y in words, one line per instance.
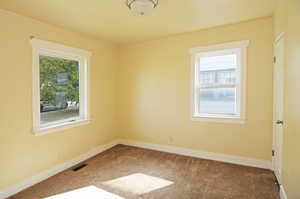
column 125, row 172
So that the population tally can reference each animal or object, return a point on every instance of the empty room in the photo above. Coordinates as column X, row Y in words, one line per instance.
column 150, row 99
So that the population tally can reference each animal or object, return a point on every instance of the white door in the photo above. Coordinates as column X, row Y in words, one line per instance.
column 278, row 121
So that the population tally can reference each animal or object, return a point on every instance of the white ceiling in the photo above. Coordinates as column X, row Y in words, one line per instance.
column 112, row 20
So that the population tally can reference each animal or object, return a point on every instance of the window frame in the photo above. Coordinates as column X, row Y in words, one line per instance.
column 240, row 46
column 46, row 48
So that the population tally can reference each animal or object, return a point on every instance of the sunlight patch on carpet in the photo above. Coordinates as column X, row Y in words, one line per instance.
column 90, row 192
column 138, row 183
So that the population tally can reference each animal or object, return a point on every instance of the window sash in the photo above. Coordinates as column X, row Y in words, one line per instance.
column 198, row 112
column 82, row 114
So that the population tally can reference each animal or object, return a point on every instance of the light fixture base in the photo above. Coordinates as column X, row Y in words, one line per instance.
column 141, row 6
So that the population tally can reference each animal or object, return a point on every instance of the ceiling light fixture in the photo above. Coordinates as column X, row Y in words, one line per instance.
column 141, row 6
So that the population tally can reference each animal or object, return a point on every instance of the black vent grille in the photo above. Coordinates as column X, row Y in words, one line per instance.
column 78, row 167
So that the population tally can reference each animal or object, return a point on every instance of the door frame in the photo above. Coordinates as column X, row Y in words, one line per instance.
column 277, row 148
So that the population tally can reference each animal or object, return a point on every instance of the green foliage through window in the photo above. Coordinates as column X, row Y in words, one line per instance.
column 59, row 80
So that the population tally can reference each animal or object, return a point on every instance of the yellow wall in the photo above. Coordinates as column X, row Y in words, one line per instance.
column 291, row 149
column 286, row 19
column 154, row 84
column 22, row 154
column 280, row 16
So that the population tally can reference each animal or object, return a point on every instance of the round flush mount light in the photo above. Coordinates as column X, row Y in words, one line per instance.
column 141, row 6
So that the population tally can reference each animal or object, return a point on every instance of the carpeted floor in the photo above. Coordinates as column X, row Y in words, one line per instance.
column 131, row 173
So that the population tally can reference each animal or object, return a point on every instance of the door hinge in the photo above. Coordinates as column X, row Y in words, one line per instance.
column 273, row 153
column 279, row 122
column 274, row 59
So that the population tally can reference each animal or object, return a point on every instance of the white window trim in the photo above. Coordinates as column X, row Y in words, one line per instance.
column 243, row 45
column 83, row 57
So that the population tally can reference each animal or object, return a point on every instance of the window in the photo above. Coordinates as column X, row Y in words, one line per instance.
column 60, row 93
column 219, row 77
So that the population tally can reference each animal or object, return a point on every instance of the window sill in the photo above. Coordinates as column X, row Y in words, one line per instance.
column 218, row 119
column 60, row 127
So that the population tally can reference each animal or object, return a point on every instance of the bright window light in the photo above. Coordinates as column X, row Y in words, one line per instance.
column 90, row 192
column 138, row 183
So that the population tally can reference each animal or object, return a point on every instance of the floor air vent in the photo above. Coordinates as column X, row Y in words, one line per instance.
column 79, row 167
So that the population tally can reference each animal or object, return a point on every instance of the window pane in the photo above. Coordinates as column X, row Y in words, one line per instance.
column 218, row 70
column 59, row 89
column 217, row 101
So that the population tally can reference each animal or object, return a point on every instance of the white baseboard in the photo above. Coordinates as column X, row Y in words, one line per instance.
column 201, row 154
column 53, row 171
column 282, row 193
